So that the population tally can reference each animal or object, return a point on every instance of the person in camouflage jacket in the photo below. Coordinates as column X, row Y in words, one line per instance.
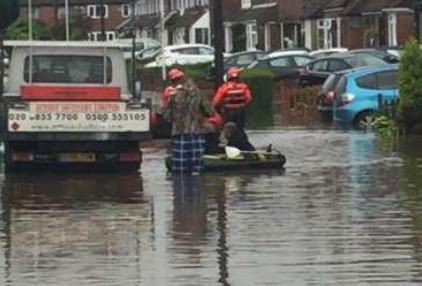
column 187, row 110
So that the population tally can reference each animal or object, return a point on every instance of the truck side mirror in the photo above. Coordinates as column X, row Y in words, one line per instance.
column 138, row 89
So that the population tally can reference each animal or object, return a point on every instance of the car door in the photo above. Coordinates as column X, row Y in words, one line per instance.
column 388, row 85
column 315, row 73
column 185, row 56
column 279, row 66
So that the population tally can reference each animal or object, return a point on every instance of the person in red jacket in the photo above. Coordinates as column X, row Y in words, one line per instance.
column 232, row 98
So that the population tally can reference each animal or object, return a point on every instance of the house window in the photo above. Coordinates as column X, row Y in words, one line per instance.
column 252, row 36
column 96, row 11
column 202, row 36
column 126, row 11
column 246, row 4
column 329, row 33
column 36, row 13
column 392, row 29
column 96, row 36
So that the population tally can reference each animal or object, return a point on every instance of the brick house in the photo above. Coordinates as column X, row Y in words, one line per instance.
column 185, row 21
column 254, row 25
column 51, row 12
column 358, row 23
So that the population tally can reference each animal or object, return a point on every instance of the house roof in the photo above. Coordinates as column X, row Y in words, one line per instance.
column 24, row 3
column 187, row 19
column 262, row 14
column 314, row 8
column 365, row 6
column 148, row 21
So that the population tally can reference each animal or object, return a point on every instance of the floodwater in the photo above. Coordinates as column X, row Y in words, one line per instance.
column 346, row 211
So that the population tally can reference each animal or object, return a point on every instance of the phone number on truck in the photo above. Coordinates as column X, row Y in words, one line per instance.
column 97, row 117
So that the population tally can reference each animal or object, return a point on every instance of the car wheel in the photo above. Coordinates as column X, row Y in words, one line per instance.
column 364, row 120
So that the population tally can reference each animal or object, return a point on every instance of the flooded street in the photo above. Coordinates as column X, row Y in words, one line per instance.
column 346, row 211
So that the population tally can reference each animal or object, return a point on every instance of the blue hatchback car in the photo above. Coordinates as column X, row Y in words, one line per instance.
column 357, row 94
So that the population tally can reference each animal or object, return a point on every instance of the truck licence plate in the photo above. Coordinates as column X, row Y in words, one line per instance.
column 78, row 157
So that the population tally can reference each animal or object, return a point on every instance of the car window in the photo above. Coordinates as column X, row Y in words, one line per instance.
column 280, row 62
column 186, row 51
column 261, row 55
column 320, row 66
column 301, row 61
column 244, row 60
column 231, row 62
column 68, row 69
column 206, row 51
column 364, row 60
column 337, row 65
column 387, row 80
column 367, row 81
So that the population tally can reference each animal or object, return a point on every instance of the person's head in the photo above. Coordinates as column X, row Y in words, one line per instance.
column 233, row 74
column 176, row 76
column 229, row 129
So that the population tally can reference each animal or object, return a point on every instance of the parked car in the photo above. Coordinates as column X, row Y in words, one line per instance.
column 393, row 50
column 283, row 65
column 327, row 95
column 383, row 55
column 289, row 52
column 188, row 54
column 317, row 71
column 328, row 52
column 358, row 92
column 140, row 45
column 239, row 60
column 148, row 55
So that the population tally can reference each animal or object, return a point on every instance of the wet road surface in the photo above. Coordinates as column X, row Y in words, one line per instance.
column 347, row 211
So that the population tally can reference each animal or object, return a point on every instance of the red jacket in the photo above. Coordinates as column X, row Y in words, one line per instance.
column 232, row 96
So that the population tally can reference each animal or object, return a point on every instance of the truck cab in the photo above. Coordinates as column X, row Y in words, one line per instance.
column 68, row 104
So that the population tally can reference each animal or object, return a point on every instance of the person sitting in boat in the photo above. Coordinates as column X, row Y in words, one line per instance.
column 233, row 136
column 232, row 98
column 213, row 126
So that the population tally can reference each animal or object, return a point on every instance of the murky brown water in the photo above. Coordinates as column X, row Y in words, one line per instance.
column 347, row 211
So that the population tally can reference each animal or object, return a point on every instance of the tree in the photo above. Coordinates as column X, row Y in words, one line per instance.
column 410, row 86
column 79, row 24
column 19, row 30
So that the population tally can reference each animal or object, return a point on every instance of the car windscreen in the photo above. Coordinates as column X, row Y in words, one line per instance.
column 364, row 60
column 68, row 69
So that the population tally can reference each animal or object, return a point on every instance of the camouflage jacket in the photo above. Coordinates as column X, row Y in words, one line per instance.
column 187, row 109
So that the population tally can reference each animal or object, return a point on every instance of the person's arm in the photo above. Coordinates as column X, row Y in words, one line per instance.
column 219, row 96
column 248, row 95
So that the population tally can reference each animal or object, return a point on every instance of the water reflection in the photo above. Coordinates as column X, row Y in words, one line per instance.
column 70, row 227
column 344, row 212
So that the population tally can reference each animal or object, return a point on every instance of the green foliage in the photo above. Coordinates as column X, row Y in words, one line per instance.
column 386, row 126
column 410, row 84
column 79, row 25
column 261, row 84
column 19, row 30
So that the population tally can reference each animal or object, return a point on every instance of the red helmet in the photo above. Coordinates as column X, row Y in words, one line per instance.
column 233, row 73
column 175, row 73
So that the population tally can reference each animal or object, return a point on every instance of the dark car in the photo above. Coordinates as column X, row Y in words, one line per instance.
column 239, row 60
column 283, row 65
column 383, row 55
column 317, row 71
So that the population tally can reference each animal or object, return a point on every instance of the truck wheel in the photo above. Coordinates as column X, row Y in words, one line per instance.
column 364, row 120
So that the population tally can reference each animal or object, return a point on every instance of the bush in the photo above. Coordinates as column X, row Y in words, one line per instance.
column 410, row 73
column 19, row 30
column 261, row 83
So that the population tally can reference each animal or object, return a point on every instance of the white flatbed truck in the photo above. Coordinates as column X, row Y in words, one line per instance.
column 68, row 104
